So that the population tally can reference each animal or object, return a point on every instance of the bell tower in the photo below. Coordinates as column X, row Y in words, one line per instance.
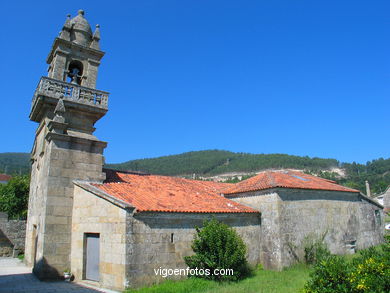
column 66, row 105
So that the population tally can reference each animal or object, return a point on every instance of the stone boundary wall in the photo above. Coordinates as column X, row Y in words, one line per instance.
column 12, row 236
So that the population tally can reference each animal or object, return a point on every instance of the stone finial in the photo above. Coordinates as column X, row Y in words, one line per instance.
column 96, row 38
column 60, row 111
column 96, row 34
column 60, row 108
column 65, row 32
column 81, row 12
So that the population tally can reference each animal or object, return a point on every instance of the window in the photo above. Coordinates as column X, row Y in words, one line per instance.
column 378, row 219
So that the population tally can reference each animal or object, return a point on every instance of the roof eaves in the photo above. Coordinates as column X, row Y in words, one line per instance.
column 197, row 212
column 102, row 194
column 371, row 200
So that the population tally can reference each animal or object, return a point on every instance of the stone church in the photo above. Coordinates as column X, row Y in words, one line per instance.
column 114, row 228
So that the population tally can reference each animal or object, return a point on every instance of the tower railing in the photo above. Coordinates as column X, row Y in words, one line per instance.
column 63, row 90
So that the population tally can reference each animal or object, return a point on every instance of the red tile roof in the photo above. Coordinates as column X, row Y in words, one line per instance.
column 170, row 194
column 5, row 177
column 285, row 179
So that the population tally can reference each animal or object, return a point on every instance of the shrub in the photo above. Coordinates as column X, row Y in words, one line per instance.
column 14, row 197
column 315, row 249
column 330, row 275
column 217, row 246
column 371, row 271
column 368, row 273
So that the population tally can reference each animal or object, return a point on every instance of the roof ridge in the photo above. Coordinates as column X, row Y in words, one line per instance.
column 271, row 179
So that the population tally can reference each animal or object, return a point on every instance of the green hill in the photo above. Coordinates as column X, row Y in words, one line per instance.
column 15, row 163
column 376, row 172
column 214, row 162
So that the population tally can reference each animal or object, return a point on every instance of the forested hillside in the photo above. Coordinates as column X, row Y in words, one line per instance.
column 214, row 162
column 14, row 163
column 376, row 172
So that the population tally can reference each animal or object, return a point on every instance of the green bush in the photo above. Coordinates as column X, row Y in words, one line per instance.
column 14, row 197
column 369, row 273
column 330, row 275
column 217, row 246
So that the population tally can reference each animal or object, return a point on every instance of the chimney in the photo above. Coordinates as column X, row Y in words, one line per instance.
column 368, row 191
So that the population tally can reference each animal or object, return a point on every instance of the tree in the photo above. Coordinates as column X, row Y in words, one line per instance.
column 217, row 246
column 14, row 197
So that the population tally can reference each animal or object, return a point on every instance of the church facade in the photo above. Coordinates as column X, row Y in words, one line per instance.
column 117, row 229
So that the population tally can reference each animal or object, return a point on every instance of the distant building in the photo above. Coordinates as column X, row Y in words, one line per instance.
column 384, row 199
column 4, row 178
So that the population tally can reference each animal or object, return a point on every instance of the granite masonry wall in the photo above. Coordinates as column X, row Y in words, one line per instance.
column 12, row 236
column 268, row 203
column 345, row 220
column 291, row 217
column 57, row 161
column 157, row 240
column 92, row 214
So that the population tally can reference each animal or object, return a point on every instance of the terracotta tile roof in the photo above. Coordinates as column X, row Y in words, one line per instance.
column 170, row 194
column 5, row 177
column 285, row 179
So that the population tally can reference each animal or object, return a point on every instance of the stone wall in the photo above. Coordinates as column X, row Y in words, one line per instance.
column 345, row 220
column 290, row 217
column 157, row 240
column 12, row 236
column 92, row 214
column 268, row 203
column 57, row 161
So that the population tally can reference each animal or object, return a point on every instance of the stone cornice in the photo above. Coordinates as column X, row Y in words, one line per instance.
column 57, row 41
column 81, row 140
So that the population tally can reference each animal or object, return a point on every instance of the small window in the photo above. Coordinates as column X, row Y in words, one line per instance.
column 378, row 217
column 172, row 238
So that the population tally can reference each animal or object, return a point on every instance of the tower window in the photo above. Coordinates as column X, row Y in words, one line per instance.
column 75, row 72
column 172, row 238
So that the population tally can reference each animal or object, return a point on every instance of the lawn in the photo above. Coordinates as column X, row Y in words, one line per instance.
column 289, row 280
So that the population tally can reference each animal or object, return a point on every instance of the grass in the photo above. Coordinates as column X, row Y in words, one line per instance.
column 21, row 257
column 287, row 281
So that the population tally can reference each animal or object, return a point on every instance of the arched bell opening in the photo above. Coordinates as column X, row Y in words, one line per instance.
column 75, row 72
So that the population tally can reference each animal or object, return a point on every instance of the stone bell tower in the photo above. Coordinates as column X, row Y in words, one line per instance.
column 66, row 105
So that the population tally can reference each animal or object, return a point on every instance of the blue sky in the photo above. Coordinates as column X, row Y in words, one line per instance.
column 296, row 77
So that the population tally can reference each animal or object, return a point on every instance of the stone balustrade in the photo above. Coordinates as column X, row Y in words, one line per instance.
column 69, row 91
